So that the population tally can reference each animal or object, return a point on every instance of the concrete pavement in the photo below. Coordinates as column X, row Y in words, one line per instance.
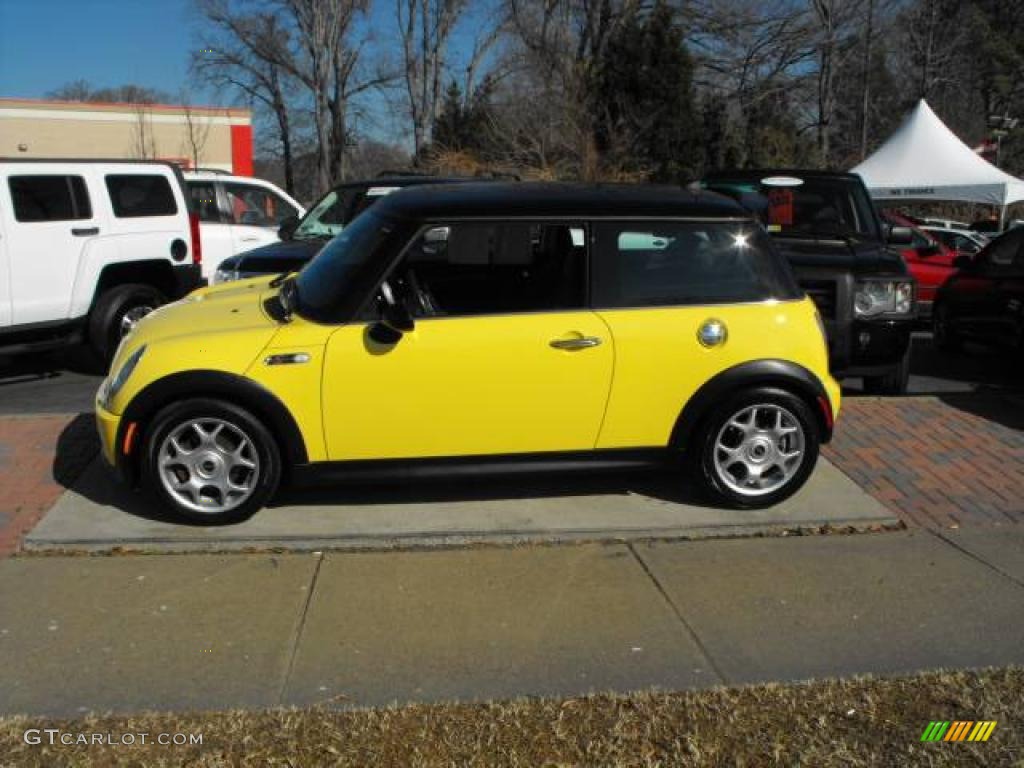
column 99, row 514
column 368, row 628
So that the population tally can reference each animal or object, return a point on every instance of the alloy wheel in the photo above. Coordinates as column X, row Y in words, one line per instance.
column 208, row 465
column 759, row 449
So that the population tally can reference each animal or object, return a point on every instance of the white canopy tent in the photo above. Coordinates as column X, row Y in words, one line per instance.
column 924, row 161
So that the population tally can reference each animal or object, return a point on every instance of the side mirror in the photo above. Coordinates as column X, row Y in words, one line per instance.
column 395, row 319
column 288, row 227
column 900, row 236
column 963, row 262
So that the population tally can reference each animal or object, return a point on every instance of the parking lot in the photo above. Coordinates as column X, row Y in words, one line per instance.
column 950, row 455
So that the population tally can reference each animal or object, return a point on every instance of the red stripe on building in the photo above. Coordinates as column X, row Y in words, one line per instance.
column 241, row 150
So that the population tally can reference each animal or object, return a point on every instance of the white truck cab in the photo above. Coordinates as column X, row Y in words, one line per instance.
column 87, row 247
column 236, row 213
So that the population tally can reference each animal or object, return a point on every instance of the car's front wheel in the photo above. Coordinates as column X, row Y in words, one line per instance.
column 757, row 449
column 210, row 461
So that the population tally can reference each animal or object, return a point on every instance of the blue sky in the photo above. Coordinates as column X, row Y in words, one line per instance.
column 46, row 43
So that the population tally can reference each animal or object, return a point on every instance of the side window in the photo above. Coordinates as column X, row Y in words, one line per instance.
column 478, row 268
column 138, row 195
column 204, row 200
column 652, row 264
column 256, row 206
column 49, row 198
column 919, row 240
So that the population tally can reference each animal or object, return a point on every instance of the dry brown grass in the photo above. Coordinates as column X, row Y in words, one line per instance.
column 855, row 722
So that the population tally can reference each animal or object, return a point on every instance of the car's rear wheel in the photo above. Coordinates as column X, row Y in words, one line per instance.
column 757, row 449
column 116, row 313
column 211, row 462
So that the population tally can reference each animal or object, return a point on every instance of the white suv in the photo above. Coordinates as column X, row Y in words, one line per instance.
column 236, row 213
column 88, row 247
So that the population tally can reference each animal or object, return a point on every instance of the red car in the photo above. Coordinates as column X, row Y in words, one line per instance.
column 928, row 260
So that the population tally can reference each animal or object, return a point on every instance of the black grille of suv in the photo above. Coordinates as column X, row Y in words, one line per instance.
column 823, row 294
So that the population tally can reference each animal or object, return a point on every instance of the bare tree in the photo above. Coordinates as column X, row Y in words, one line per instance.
column 143, row 140
column 425, row 26
column 197, row 131
column 835, row 20
column 243, row 53
column 326, row 60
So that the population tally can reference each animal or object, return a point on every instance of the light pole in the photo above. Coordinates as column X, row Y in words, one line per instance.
column 1001, row 125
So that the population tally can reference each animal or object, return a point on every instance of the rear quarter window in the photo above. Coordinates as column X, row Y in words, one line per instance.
column 672, row 263
column 140, row 195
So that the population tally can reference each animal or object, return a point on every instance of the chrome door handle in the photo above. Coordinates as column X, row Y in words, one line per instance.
column 584, row 342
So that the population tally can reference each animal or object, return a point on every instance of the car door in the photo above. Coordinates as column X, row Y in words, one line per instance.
column 1009, row 320
column 254, row 214
column 214, row 229
column 980, row 294
column 504, row 357
column 49, row 221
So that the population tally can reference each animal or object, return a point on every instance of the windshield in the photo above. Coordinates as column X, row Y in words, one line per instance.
column 814, row 206
column 327, row 219
column 324, row 282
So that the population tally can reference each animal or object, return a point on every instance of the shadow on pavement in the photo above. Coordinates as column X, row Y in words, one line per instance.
column 77, row 465
column 77, row 445
column 662, row 485
column 975, row 369
column 49, row 365
column 991, row 404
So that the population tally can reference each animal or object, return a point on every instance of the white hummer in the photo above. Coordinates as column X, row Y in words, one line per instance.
column 87, row 247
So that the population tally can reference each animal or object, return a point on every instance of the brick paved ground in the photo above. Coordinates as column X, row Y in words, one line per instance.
column 39, row 457
column 938, row 462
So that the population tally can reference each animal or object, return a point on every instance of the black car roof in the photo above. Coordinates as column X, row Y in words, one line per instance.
column 759, row 173
column 552, row 199
column 404, row 181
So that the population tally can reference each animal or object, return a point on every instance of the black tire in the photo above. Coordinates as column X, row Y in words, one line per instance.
column 893, row 383
column 111, row 312
column 208, row 412
column 944, row 337
column 709, row 477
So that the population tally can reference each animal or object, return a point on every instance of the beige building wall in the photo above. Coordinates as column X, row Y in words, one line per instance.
column 32, row 129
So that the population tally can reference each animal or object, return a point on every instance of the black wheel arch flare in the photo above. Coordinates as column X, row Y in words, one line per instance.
column 783, row 374
column 238, row 390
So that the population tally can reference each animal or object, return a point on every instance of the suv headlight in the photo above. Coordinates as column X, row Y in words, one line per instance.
column 225, row 276
column 883, row 297
column 113, row 384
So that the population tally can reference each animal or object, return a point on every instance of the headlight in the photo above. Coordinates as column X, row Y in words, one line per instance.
column 225, row 276
column 883, row 297
column 113, row 384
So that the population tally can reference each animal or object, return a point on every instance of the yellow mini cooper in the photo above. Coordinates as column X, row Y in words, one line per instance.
column 485, row 327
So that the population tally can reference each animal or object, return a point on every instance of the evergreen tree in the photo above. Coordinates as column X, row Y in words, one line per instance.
column 642, row 103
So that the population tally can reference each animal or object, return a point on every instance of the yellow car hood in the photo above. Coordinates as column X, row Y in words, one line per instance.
column 220, row 328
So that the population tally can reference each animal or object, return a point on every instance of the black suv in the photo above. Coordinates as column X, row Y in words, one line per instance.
column 301, row 239
column 825, row 224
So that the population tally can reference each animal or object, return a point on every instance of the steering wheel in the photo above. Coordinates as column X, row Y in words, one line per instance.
column 423, row 297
